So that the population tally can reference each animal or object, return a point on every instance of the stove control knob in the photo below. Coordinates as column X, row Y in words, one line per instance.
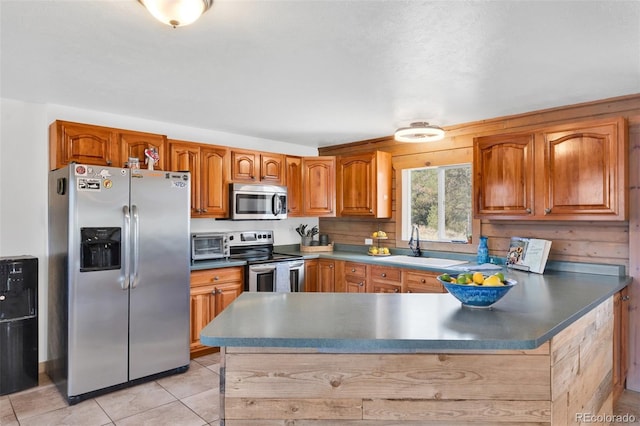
column 230, row 237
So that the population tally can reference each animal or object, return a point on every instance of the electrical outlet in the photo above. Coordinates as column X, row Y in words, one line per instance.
column 368, row 241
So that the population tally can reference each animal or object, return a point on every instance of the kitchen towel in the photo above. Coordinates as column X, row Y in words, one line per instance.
column 282, row 277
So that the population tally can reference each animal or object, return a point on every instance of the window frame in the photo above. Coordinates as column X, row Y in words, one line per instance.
column 405, row 196
column 449, row 157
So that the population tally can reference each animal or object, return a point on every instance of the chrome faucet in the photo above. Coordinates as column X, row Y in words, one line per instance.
column 414, row 242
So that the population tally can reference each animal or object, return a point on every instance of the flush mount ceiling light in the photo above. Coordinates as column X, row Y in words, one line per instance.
column 419, row 132
column 176, row 13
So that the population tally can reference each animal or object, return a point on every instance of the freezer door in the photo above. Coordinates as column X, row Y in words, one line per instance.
column 159, row 295
column 97, row 298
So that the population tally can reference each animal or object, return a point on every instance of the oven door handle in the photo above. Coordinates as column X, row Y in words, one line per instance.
column 260, row 269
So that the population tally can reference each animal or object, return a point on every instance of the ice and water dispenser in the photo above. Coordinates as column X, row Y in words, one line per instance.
column 100, row 249
column 18, row 323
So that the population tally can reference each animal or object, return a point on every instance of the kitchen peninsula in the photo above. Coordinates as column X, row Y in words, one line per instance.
column 541, row 355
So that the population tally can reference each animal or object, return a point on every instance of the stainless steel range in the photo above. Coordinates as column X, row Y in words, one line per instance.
column 266, row 270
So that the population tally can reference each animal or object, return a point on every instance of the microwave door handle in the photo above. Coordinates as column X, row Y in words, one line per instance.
column 276, row 204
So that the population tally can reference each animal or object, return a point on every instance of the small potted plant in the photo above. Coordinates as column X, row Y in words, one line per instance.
column 307, row 234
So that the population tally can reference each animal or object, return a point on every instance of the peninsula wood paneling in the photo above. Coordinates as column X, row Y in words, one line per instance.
column 571, row 374
column 633, row 375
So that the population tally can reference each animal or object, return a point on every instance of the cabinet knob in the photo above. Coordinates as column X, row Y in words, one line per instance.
column 370, row 210
column 108, row 162
column 330, row 266
column 204, row 210
column 353, row 269
column 216, row 278
column 528, row 210
column 361, row 284
column 408, row 291
column 547, row 210
column 423, row 281
column 383, row 275
column 624, row 298
column 395, row 290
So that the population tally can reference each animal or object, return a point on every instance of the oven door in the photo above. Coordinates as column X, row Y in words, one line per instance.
column 262, row 276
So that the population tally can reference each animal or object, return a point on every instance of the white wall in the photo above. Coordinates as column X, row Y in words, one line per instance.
column 24, row 166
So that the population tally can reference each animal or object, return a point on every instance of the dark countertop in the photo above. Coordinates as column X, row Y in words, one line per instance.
column 534, row 311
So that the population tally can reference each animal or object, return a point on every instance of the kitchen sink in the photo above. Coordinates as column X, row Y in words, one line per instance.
column 435, row 262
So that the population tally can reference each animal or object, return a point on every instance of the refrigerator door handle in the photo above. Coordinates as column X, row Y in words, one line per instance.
column 127, row 247
column 135, row 242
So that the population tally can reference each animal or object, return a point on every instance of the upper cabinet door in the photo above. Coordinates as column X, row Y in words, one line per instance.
column 585, row 170
column 293, row 173
column 272, row 168
column 319, row 186
column 364, row 185
column 244, row 166
column 82, row 143
column 134, row 145
column 214, row 173
column 503, row 178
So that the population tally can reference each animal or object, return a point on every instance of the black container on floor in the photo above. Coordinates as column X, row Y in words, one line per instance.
column 18, row 323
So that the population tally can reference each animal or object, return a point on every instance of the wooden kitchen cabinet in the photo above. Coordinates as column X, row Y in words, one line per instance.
column 330, row 275
column 620, row 341
column 415, row 281
column 585, row 171
column 209, row 165
column 293, row 174
column 384, row 279
column 212, row 290
column 566, row 172
column 311, row 275
column 257, row 167
column 311, row 187
column 82, row 143
column 503, row 175
column 101, row 146
column 134, row 144
column 355, row 277
column 363, row 184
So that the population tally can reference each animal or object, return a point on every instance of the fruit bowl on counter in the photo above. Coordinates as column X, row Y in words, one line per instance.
column 477, row 290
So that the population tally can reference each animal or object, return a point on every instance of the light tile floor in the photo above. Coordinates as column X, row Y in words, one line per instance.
column 189, row 399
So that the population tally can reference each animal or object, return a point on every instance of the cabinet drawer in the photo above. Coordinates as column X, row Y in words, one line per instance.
column 386, row 274
column 213, row 276
column 422, row 282
column 355, row 269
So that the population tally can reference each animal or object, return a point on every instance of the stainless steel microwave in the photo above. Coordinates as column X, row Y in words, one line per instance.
column 209, row 245
column 257, row 201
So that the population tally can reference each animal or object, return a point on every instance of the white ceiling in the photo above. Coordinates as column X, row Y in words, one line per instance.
column 324, row 72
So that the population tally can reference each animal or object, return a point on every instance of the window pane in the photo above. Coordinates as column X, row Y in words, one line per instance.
column 439, row 201
column 457, row 203
column 424, row 202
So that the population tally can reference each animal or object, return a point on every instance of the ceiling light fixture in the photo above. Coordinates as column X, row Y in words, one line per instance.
column 419, row 132
column 177, row 13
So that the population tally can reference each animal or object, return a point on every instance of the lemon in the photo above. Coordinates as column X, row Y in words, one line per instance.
column 477, row 277
column 493, row 280
column 375, row 235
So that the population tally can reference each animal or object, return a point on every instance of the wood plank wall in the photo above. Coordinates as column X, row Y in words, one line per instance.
column 591, row 242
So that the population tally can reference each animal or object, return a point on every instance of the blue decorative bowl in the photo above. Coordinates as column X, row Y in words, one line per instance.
column 478, row 296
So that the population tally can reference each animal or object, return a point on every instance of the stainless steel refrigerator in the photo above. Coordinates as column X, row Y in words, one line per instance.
column 118, row 291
